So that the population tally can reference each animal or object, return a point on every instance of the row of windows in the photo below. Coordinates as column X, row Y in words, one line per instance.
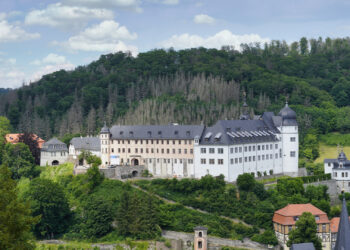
column 151, row 150
column 179, row 142
column 343, row 174
column 212, row 161
column 61, row 153
column 252, row 158
column 212, row 150
column 175, row 161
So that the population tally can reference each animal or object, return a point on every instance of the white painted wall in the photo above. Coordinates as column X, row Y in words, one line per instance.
column 290, row 163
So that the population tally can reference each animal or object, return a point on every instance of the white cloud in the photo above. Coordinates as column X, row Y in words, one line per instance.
column 13, row 32
column 108, row 36
column 222, row 38
column 67, row 16
column 51, row 59
column 203, row 19
column 133, row 5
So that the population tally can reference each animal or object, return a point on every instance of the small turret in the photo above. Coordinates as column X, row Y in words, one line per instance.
column 245, row 109
column 105, row 129
column 289, row 117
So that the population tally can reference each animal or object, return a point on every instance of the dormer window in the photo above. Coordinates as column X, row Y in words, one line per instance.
column 149, row 133
column 176, row 132
column 159, row 132
column 121, row 132
column 317, row 218
column 188, row 133
column 296, row 218
column 228, row 129
column 131, row 133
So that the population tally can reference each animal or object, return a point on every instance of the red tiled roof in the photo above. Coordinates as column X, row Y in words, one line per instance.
column 335, row 224
column 285, row 216
column 14, row 138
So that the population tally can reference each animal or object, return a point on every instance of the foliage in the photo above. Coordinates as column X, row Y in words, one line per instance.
column 15, row 216
column 55, row 173
column 20, row 160
column 30, row 140
column 267, row 237
column 68, row 137
column 96, row 217
column 305, row 231
column 335, row 139
column 90, row 158
column 48, row 200
column 246, row 182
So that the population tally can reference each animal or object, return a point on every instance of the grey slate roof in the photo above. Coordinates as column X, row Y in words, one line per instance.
column 288, row 116
column 228, row 132
column 157, row 132
column 341, row 160
column 54, row 145
column 105, row 129
column 86, row 143
column 200, row 228
column 303, row 246
column 343, row 235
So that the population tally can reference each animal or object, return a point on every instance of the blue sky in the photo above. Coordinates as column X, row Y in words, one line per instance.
column 39, row 37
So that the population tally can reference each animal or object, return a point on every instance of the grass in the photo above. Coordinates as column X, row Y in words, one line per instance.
column 330, row 152
column 273, row 179
column 54, row 172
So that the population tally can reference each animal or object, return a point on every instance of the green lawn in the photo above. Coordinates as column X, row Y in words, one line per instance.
column 330, row 152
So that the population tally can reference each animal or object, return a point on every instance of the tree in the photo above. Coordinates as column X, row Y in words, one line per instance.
column 31, row 141
column 20, row 160
column 15, row 216
column 305, row 231
column 97, row 217
column 47, row 199
column 246, row 182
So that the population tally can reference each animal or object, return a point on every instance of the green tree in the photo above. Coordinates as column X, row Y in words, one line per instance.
column 20, row 160
column 305, row 231
column 246, row 182
column 15, row 216
column 47, row 199
column 96, row 218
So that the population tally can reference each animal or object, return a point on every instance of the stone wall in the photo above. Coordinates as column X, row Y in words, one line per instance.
column 332, row 189
column 213, row 242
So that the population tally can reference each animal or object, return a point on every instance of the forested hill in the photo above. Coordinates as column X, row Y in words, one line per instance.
column 190, row 86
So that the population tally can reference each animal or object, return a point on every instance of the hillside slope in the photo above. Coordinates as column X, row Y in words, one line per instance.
column 190, row 86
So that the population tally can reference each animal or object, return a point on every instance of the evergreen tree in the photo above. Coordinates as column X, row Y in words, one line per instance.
column 15, row 216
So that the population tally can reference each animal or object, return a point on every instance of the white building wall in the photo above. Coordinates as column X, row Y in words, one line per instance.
column 46, row 158
column 328, row 168
column 105, row 149
column 290, row 149
column 239, row 159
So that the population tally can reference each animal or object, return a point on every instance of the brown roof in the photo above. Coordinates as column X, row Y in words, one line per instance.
column 14, row 138
column 335, row 224
column 286, row 215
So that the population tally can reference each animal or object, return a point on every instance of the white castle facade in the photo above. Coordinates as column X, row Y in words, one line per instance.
column 265, row 145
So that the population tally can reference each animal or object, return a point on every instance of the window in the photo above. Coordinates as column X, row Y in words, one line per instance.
column 162, row 150
column 323, row 227
column 185, row 151
column 123, row 150
column 129, row 150
column 211, row 161
column 179, row 142
column 173, row 150
column 240, row 149
column 231, row 150
column 203, row 150
column 253, row 148
column 292, row 139
column 267, row 157
column 250, row 158
column 200, row 234
column 211, row 150
column 259, row 157
column 276, row 156
column 263, row 157
column 263, row 147
column 220, row 150
column 250, row 148
column 167, row 141
column 118, row 150
column 253, row 158
column 258, row 147
column 236, row 150
column 179, row 150
column 220, row 161
column 136, row 150
column 190, row 142
column 191, row 151
column 168, row 160
column 167, row 151
column 289, row 228
column 245, row 159
column 185, row 141
column 271, row 156
column 342, row 174
column 236, row 160
column 164, row 160
column 199, row 244
column 335, row 174
column 276, row 146
column 245, row 149
column 270, row 146
column 231, row 161
column 240, row 159
column 346, row 174
column 292, row 153
column 190, row 161
column 152, row 150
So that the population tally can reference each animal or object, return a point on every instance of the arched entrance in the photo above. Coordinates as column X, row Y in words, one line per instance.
column 134, row 173
column 55, row 163
column 134, row 162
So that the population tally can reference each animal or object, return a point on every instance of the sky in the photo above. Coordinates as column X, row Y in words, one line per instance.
column 38, row 37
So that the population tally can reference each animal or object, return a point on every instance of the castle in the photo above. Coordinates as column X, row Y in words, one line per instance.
column 264, row 145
